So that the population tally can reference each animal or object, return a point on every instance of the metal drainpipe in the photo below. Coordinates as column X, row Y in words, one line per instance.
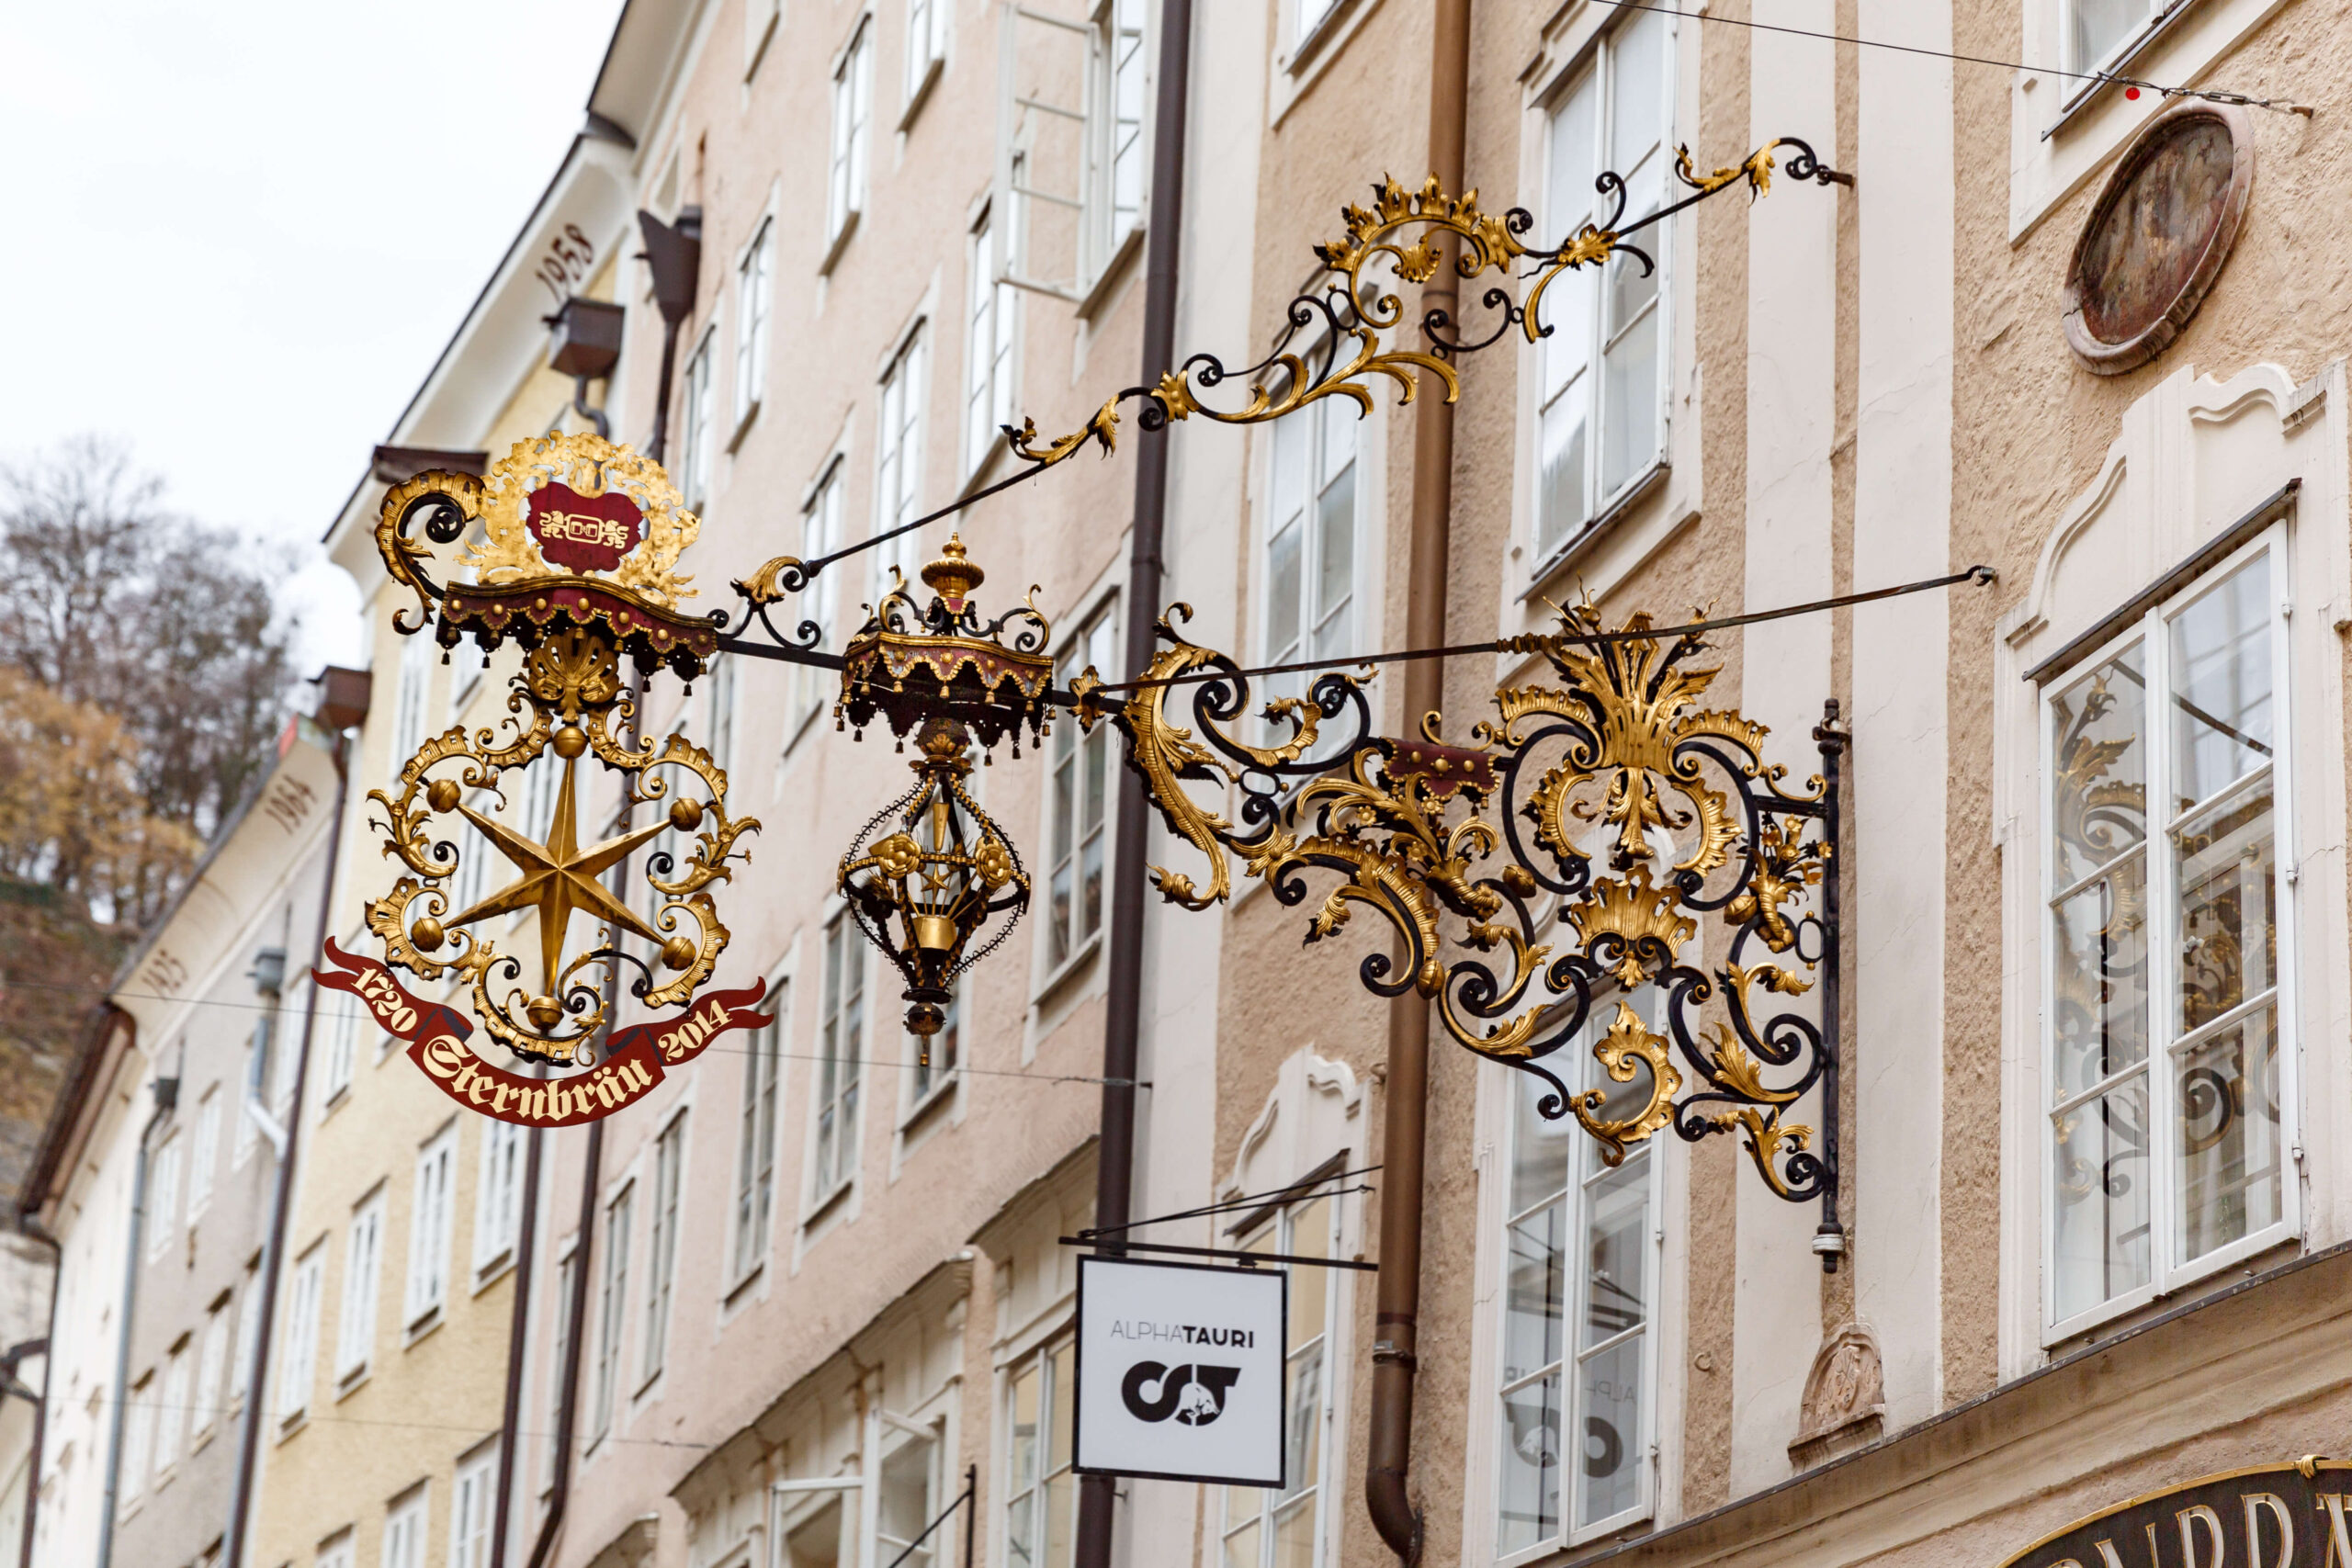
column 1114, row 1161
column 674, row 255
column 29, row 1226
column 1387, row 1467
column 168, row 1094
column 281, row 1198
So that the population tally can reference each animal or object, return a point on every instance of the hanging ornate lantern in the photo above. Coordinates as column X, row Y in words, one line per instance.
column 921, row 892
column 932, row 868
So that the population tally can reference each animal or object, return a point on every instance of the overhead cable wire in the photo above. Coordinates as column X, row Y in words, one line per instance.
column 2133, row 85
column 1529, row 643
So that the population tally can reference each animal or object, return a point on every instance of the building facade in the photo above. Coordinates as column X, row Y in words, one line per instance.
column 2094, row 1164
column 155, row 1345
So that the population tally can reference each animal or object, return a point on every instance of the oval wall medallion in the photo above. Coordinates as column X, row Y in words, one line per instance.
column 2158, row 234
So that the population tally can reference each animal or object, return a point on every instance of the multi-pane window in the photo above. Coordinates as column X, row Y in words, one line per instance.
column 2098, row 31
column 755, row 1140
column 204, row 1151
column 841, row 1042
column 2170, row 1108
column 908, row 1503
column 1580, row 1267
column 697, row 440
column 472, row 1507
column 241, row 1359
column 404, row 1524
column 1079, row 797
column 852, row 112
column 897, row 476
column 934, row 1060
column 342, row 1008
column 428, row 1229
column 612, row 1308
column 1041, row 1491
column 337, row 1552
column 754, row 282
column 559, row 1350
column 1600, row 394
column 211, row 1363
column 164, row 1196
column 299, row 1357
column 171, row 1411
column 498, row 1196
column 1115, row 130
column 1310, row 563
column 926, row 41
column 661, row 1248
column 1263, row 1526
column 363, row 1256
column 408, row 700
column 1306, row 15
column 138, row 1437
column 820, row 536
column 721, row 730
column 991, row 318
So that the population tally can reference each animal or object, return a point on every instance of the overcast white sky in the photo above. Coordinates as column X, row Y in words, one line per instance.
column 240, row 231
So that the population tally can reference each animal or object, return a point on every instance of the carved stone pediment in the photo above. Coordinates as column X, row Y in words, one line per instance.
column 1845, row 1399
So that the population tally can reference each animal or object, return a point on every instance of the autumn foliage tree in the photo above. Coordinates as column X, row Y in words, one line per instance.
column 146, row 674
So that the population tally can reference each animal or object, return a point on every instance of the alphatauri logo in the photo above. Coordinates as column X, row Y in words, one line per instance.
column 1193, row 1395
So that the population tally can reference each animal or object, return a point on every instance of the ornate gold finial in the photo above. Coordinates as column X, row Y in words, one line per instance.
column 953, row 576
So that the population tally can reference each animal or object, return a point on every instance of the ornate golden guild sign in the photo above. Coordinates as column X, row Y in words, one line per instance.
column 569, row 548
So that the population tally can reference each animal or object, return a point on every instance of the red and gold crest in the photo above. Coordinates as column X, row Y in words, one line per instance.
column 572, row 545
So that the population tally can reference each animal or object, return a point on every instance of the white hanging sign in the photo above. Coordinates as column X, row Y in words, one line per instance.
column 1180, row 1370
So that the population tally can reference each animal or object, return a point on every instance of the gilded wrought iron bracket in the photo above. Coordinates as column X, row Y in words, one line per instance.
column 1547, row 881
column 1337, row 340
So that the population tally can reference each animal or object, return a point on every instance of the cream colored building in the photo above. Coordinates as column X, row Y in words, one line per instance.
column 823, row 1281
column 394, row 1304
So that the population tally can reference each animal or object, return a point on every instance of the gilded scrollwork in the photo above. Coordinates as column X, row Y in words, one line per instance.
column 1645, row 812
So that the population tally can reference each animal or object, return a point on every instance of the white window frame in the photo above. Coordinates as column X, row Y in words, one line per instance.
column 759, row 1120
column 1582, row 1176
column 204, row 1151
column 342, row 1008
column 559, row 1347
column 171, row 1412
column 849, row 153
column 498, row 1199
column 363, row 1261
column 1052, row 1466
column 242, row 1349
column 662, row 1246
column 1590, row 288
column 2166, row 1272
column 926, row 51
column 900, row 398
column 164, row 1196
column 991, row 346
column 721, row 707
column 698, row 424
column 405, row 1523
column 408, row 701
column 1118, row 68
column 138, row 1440
column 339, row 1551
column 211, row 1368
column 2156, row 15
column 298, row 1371
column 1278, row 1232
column 838, row 1075
column 754, row 302
column 431, row 1220
column 823, row 513
column 1093, row 640
column 473, row 1507
column 611, row 1309
column 1307, row 432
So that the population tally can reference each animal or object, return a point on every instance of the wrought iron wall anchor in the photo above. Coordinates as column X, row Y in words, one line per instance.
column 1625, row 813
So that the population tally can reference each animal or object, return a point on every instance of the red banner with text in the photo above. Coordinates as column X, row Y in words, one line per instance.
column 632, row 1067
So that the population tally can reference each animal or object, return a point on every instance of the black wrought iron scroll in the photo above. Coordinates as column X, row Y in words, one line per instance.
column 1624, row 814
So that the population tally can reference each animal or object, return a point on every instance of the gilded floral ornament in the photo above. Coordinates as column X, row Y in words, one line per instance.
column 1564, row 861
